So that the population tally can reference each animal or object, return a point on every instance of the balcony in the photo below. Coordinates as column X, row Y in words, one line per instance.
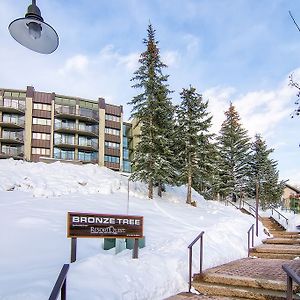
column 14, row 152
column 65, row 143
column 12, row 106
column 12, row 137
column 80, row 128
column 12, row 122
column 88, row 145
column 70, row 112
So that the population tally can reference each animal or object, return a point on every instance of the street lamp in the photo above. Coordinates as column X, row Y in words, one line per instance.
column 33, row 33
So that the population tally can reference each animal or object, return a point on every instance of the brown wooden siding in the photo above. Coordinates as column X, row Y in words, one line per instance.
column 41, row 113
column 40, row 97
column 111, row 165
column 112, row 152
column 40, row 143
column 112, row 138
column 41, row 128
column 112, row 124
column 113, row 110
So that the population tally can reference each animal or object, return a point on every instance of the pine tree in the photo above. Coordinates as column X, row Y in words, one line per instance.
column 152, row 162
column 234, row 150
column 193, row 140
column 264, row 174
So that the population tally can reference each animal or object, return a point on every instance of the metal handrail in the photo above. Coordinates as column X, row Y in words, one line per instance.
column 60, row 285
column 250, row 206
column 233, row 204
column 190, row 247
column 279, row 214
column 251, row 230
column 292, row 275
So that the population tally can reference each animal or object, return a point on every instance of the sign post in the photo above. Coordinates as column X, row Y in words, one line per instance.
column 87, row 225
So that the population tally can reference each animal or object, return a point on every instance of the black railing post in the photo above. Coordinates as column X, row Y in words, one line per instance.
column 289, row 290
column 201, row 253
column 200, row 236
column 190, row 268
column 60, row 284
column 63, row 291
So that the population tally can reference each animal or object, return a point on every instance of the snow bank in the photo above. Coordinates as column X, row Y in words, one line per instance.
column 34, row 201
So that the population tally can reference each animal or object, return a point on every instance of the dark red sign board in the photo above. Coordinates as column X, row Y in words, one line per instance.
column 86, row 225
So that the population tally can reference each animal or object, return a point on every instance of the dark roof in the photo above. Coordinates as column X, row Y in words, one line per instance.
column 296, row 190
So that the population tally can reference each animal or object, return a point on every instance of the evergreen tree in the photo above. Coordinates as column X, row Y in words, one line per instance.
column 154, row 110
column 234, row 151
column 264, row 175
column 193, row 140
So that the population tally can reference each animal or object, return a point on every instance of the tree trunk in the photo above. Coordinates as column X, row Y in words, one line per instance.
column 189, row 189
column 159, row 191
column 150, row 189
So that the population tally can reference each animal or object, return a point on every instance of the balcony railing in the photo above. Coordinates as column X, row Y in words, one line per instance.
column 12, row 151
column 90, row 130
column 93, row 114
column 81, row 112
column 12, row 105
column 88, row 143
column 13, row 121
column 64, row 141
column 14, row 136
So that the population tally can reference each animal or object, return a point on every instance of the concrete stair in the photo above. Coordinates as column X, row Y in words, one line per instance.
column 271, row 224
column 248, row 278
column 283, row 244
column 276, row 251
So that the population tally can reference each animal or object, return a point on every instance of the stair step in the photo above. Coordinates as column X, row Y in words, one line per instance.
column 286, row 234
column 241, row 281
column 273, row 256
column 285, row 241
column 208, row 288
column 276, row 249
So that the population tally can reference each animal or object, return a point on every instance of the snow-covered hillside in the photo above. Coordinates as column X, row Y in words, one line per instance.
column 35, row 199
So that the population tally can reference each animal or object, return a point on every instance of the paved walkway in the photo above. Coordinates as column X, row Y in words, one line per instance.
column 190, row 296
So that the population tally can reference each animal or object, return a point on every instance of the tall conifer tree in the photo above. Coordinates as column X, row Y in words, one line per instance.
column 193, row 140
column 154, row 111
column 234, row 151
column 264, row 174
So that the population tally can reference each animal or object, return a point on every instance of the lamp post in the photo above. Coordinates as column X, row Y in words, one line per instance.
column 33, row 33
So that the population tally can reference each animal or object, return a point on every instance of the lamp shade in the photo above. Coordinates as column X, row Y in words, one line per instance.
column 33, row 33
column 46, row 43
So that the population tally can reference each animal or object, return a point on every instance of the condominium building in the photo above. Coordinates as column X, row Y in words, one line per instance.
column 39, row 126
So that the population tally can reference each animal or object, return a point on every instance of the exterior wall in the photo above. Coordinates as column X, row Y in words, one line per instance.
column 71, row 128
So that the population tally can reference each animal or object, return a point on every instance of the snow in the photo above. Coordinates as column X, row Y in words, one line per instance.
column 35, row 199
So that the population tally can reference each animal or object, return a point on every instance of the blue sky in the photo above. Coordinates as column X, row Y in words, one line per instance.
column 230, row 50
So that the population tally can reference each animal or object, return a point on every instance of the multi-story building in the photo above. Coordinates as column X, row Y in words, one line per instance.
column 38, row 126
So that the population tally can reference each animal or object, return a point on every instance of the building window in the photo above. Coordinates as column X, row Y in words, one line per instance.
column 64, row 154
column 112, row 159
column 41, row 136
column 112, row 145
column 39, row 121
column 60, row 138
column 42, row 106
column 64, row 124
column 40, row 151
column 87, row 156
column 127, row 166
column 14, row 119
column 125, row 153
column 112, row 118
column 112, row 131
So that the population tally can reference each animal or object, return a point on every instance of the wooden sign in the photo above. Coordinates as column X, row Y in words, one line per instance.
column 85, row 225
